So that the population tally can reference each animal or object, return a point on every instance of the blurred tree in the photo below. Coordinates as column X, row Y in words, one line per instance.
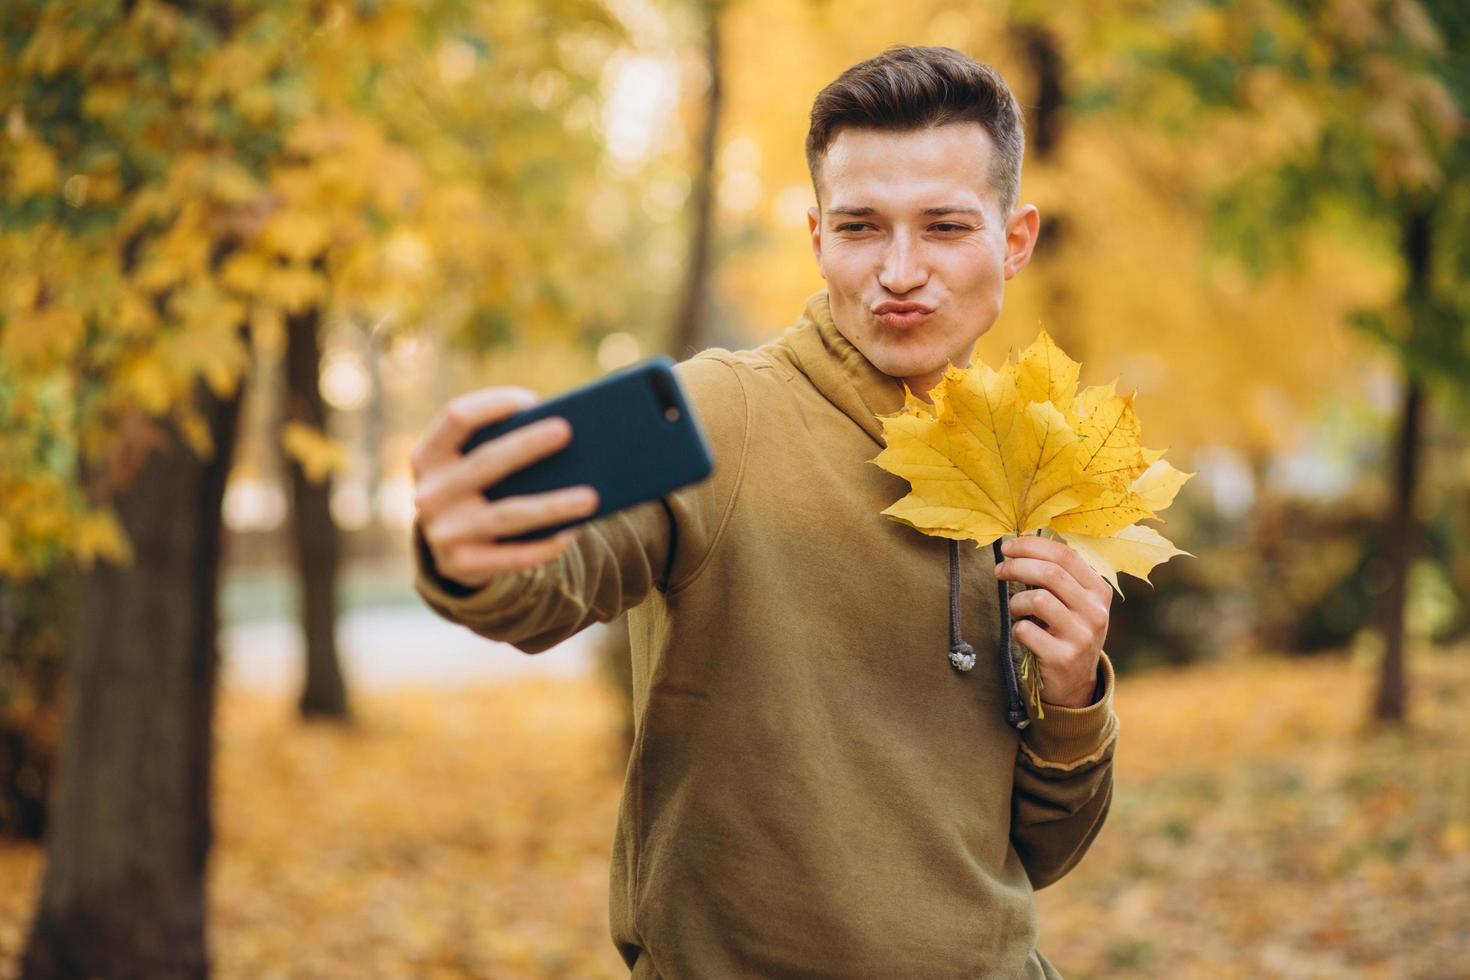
column 323, row 691
column 1344, row 113
column 1130, row 274
column 36, row 627
column 1045, row 121
column 690, row 330
column 180, row 181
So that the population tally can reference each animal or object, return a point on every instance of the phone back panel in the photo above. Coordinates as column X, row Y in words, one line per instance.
column 634, row 438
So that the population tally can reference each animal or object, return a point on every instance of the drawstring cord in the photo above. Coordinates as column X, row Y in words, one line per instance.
column 962, row 655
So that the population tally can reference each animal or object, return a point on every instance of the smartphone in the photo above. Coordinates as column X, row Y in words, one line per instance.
column 634, row 438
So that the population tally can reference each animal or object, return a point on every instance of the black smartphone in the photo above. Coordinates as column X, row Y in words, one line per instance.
column 634, row 438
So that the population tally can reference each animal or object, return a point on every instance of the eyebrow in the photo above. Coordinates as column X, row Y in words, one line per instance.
column 862, row 212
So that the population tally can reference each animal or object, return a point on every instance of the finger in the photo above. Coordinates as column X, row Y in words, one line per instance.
column 1049, row 649
column 1054, row 614
column 482, row 523
column 491, row 462
column 477, row 564
column 462, row 416
column 1047, row 575
column 1036, row 546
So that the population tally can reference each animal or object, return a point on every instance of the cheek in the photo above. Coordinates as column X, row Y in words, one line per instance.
column 844, row 264
column 979, row 270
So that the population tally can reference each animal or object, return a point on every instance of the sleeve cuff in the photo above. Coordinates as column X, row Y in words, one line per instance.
column 1070, row 737
column 451, row 598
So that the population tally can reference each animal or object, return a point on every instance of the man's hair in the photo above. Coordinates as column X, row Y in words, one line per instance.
column 908, row 88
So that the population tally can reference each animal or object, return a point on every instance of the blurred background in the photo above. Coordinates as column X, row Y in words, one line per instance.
column 248, row 248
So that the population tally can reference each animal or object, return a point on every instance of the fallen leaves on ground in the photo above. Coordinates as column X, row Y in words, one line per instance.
column 1260, row 829
column 1257, row 831
column 461, row 834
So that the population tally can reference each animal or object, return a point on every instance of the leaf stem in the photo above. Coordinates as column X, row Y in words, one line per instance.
column 1016, row 715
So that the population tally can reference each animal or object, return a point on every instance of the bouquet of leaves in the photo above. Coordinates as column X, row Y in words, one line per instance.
column 1020, row 450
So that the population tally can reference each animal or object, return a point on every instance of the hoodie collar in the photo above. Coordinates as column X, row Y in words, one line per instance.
column 840, row 371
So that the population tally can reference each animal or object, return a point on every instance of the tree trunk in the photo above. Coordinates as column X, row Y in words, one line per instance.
column 374, row 422
column 123, row 892
column 1391, row 703
column 323, row 694
column 1046, row 126
column 689, row 323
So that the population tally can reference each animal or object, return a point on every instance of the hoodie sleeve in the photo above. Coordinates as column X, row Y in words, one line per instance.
column 1064, row 783
column 619, row 558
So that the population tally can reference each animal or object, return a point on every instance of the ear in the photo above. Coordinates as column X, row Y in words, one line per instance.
column 1021, row 231
column 814, row 227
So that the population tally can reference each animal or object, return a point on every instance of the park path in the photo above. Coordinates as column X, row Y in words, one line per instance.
column 393, row 646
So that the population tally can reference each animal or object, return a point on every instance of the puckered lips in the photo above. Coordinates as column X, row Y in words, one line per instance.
column 902, row 316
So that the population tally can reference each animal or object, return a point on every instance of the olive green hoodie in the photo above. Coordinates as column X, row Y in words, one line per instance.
column 813, row 790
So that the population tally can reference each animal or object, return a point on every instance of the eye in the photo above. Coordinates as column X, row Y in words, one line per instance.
column 851, row 225
column 949, row 226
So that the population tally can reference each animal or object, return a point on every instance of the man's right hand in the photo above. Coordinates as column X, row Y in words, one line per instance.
column 461, row 527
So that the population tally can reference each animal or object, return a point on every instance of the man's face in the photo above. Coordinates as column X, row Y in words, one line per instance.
column 912, row 218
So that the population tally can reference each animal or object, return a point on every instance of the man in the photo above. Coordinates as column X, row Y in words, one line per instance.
column 814, row 791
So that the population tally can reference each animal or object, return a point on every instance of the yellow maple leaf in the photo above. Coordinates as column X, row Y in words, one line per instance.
column 983, row 462
column 1135, row 549
column 1019, row 449
column 1044, row 373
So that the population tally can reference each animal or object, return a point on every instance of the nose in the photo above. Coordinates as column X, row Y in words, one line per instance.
column 903, row 267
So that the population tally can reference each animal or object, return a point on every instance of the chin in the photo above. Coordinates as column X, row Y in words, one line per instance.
column 899, row 366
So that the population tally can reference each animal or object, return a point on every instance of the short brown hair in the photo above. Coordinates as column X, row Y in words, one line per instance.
column 907, row 88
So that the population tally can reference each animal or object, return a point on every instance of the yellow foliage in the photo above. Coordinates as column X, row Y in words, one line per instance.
column 245, row 272
column 33, row 171
column 144, row 378
column 293, row 287
column 1123, row 258
column 194, row 430
column 201, row 173
column 298, row 235
column 318, row 454
column 208, row 342
column 38, row 341
column 98, row 535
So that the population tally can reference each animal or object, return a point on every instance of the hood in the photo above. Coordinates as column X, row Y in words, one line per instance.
column 839, row 370
column 848, row 380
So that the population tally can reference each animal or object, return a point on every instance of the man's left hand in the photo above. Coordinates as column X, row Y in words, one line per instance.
column 1072, row 602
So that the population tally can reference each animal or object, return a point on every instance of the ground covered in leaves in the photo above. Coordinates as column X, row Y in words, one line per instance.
column 1258, row 830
